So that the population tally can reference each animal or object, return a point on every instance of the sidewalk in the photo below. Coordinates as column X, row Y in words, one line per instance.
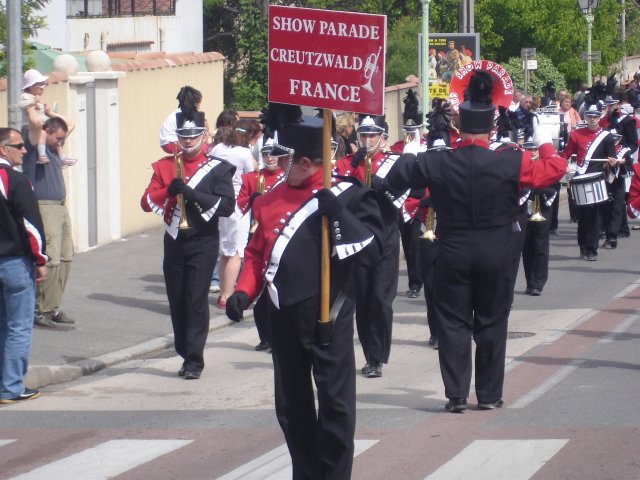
column 117, row 297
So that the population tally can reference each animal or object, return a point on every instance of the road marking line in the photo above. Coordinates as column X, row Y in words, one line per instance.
column 632, row 286
column 7, row 441
column 550, row 339
column 276, row 464
column 563, row 372
column 499, row 460
column 104, row 461
column 621, row 328
column 547, row 385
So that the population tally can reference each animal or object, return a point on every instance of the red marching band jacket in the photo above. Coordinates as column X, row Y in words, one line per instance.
column 381, row 163
column 250, row 184
column 208, row 176
column 286, row 216
column 633, row 204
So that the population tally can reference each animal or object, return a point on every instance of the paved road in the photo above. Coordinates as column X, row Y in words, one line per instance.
column 571, row 391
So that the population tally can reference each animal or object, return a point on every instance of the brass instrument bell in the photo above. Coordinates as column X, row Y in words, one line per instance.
column 179, row 171
column 536, row 216
column 367, row 169
column 429, row 232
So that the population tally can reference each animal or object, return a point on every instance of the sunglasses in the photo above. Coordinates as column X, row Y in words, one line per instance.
column 18, row 146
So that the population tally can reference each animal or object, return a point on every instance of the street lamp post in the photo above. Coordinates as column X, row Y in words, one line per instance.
column 588, row 7
column 425, row 59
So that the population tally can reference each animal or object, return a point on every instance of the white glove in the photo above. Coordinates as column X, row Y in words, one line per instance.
column 541, row 135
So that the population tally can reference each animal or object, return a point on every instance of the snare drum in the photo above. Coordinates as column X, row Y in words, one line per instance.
column 589, row 189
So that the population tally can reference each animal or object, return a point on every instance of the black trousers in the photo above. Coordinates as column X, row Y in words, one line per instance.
column 410, row 237
column 262, row 316
column 375, row 290
column 535, row 253
column 517, row 243
column 188, row 266
column 588, row 228
column 320, row 443
column 614, row 211
column 473, row 288
column 428, row 256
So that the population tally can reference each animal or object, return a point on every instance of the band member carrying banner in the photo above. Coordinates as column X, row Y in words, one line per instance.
column 284, row 256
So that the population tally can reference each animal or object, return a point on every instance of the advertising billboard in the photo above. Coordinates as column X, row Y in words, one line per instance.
column 448, row 52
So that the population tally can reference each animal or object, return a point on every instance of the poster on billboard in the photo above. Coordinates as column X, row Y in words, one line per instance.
column 448, row 52
column 327, row 59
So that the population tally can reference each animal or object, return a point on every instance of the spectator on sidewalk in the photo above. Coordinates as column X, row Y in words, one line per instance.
column 35, row 112
column 22, row 264
column 49, row 186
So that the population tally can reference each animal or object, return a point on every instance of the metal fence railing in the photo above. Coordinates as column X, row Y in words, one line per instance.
column 119, row 8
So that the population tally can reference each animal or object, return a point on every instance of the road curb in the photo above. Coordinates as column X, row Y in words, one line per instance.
column 39, row 376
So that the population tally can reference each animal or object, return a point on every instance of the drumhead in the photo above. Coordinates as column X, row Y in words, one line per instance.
column 588, row 177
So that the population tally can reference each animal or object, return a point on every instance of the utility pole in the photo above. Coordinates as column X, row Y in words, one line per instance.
column 426, row 104
column 623, row 33
column 466, row 20
column 14, row 61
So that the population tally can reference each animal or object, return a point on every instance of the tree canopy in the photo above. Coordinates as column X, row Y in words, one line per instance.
column 556, row 28
column 31, row 22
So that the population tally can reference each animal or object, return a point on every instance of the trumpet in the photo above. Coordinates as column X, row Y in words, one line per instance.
column 429, row 233
column 536, row 216
column 177, row 163
column 371, row 67
column 259, row 189
column 367, row 169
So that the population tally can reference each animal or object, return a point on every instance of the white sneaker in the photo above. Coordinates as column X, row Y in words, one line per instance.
column 214, row 288
column 68, row 162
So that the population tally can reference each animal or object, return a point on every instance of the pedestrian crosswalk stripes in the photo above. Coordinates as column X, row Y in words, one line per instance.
column 499, row 460
column 517, row 459
column 276, row 464
column 104, row 461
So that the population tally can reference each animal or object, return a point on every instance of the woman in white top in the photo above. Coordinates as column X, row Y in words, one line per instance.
column 234, row 230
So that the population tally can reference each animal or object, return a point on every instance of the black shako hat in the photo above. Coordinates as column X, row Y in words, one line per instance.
column 304, row 137
column 376, row 124
column 477, row 110
column 190, row 125
column 293, row 133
